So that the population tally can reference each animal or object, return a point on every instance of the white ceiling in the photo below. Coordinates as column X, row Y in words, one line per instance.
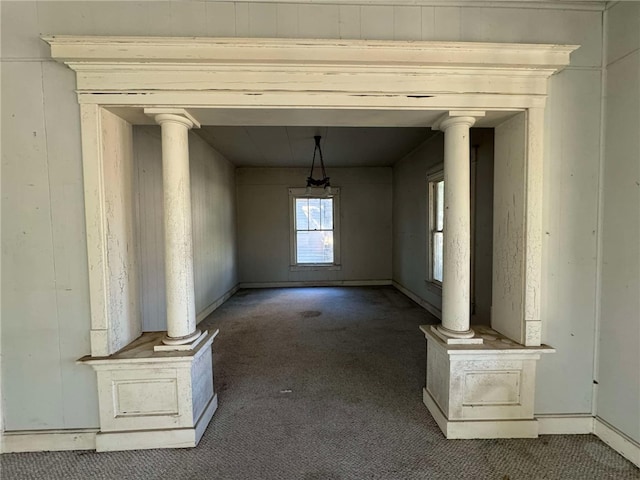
column 256, row 137
column 293, row 146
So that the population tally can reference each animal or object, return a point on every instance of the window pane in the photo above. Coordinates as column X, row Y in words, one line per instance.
column 314, row 213
column 326, row 210
column 302, row 220
column 439, row 194
column 314, row 247
column 437, row 256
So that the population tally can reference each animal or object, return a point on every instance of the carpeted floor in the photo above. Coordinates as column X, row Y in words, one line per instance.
column 325, row 383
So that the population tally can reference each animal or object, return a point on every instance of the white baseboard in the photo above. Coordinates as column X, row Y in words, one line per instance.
column 49, row 440
column 617, row 440
column 329, row 283
column 207, row 311
column 433, row 310
column 577, row 424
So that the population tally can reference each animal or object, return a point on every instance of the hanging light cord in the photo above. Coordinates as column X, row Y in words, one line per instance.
column 325, row 180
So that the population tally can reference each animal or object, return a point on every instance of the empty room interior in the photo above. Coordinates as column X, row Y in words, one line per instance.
column 320, row 239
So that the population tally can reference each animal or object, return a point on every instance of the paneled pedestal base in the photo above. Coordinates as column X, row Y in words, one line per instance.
column 151, row 399
column 481, row 390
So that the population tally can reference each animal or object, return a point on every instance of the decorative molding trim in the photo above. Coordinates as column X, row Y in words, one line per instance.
column 578, row 424
column 84, row 52
column 329, row 283
column 477, row 429
column 306, row 72
column 214, row 306
column 621, row 443
column 167, row 438
column 432, row 309
column 593, row 6
column 49, row 440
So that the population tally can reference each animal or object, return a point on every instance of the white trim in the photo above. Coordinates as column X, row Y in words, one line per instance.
column 294, row 194
column 434, row 175
column 519, row 4
column 625, row 446
column 432, row 309
column 475, row 429
column 85, row 53
column 49, row 440
column 167, row 438
column 207, row 311
column 329, row 283
column 578, row 424
column 314, row 267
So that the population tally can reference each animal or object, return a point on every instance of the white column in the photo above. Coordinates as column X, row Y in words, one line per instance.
column 456, row 274
column 178, row 248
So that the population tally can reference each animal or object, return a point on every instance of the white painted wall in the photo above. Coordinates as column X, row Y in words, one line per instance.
column 618, row 398
column 45, row 290
column 410, row 220
column 214, row 224
column 263, row 224
column 45, row 308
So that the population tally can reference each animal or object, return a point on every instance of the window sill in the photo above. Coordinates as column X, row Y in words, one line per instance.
column 314, row 267
column 434, row 287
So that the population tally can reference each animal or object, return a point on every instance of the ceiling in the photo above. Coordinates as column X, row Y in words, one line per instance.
column 258, row 137
column 293, row 146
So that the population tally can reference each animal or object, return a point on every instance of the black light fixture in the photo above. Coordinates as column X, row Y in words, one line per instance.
column 324, row 181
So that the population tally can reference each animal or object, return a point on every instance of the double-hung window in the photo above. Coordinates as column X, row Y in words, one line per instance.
column 435, row 182
column 314, row 229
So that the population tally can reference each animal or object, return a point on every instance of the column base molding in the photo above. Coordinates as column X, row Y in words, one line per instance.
column 479, row 429
column 469, row 338
column 483, row 390
column 163, row 347
column 146, row 439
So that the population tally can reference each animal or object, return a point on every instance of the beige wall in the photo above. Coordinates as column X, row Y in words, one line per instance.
column 618, row 353
column 263, row 224
column 214, row 224
column 45, row 303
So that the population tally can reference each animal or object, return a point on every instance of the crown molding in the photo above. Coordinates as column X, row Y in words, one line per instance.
column 597, row 6
column 196, row 51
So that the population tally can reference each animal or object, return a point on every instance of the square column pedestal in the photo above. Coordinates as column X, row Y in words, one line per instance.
column 482, row 390
column 151, row 399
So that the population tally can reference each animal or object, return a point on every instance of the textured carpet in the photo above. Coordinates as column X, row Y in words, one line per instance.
column 325, row 383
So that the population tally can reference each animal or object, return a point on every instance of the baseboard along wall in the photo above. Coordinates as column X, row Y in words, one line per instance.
column 330, row 283
column 432, row 309
column 85, row 439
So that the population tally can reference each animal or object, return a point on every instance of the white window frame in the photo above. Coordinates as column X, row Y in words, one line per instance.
column 295, row 193
column 434, row 176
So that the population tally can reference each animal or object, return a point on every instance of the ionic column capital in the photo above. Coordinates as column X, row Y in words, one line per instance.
column 466, row 117
column 174, row 115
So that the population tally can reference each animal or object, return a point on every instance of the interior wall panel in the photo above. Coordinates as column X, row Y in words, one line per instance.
column 618, row 353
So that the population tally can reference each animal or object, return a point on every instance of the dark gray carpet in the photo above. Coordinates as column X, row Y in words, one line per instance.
column 325, row 383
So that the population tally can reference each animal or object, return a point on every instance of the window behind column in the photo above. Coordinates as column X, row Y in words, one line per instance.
column 435, row 182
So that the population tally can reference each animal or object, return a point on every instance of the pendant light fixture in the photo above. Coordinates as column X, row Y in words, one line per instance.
column 324, row 181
